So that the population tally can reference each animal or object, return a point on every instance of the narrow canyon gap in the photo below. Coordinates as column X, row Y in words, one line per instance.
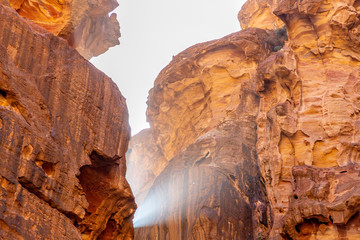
column 252, row 136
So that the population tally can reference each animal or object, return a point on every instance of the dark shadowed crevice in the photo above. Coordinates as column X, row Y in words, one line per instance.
column 3, row 93
column 100, row 183
column 96, row 179
column 48, row 168
column 108, row 233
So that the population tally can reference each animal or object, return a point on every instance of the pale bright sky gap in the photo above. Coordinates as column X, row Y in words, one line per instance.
column 153, row 31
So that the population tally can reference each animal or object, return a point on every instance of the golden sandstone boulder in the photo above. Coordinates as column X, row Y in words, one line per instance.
column 63, row 137
column 260, row 129
column 85, row 24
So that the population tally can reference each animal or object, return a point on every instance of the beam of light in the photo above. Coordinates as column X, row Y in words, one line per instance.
column 160, row 201
column 213, row 182
column 175, row 193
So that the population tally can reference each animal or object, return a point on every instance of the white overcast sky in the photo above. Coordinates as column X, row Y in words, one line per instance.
column 152, row 32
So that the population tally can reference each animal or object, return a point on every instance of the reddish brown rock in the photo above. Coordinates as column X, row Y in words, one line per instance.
column 85, row 24
column 63, row 137
column 201, row 88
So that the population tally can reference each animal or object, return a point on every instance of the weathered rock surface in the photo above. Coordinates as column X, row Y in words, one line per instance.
column 325, row 204
column 86, row 25
column 201, row 88
column 258, row 134
column 202, row 112
column 259, row 14
column 63, row 137
column 309, row 108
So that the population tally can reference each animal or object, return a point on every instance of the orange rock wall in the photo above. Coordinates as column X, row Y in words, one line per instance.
column 63, row 137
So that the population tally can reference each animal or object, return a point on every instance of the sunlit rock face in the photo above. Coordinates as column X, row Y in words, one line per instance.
column 63, row 136
column 85, row 24
column 202, row 112
column 259, row 14
column 201, row 88
column 262, row 138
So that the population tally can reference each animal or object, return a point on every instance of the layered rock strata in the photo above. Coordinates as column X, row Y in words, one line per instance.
column 63, row 137
column 272, row 126
column 86, row 25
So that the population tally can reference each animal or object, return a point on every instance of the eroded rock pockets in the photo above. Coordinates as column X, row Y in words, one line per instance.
column 325, row 203
column 309, row 113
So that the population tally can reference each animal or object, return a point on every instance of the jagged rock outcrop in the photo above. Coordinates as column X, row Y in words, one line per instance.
column 63, row 136
column 309, row 110
column 259, row 14
column 86, row 25
column 258, row 133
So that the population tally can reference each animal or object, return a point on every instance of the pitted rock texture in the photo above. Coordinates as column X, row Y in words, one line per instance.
column 302, row 129
column 309, row 108
column 86, row 25
column 325, row 203
column 63, row 137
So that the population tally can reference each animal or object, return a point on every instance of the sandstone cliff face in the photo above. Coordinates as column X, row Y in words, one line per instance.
column 261, row 139
column 63, row 137
column 86, row 25
column 309, row 116
column 202, row 111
